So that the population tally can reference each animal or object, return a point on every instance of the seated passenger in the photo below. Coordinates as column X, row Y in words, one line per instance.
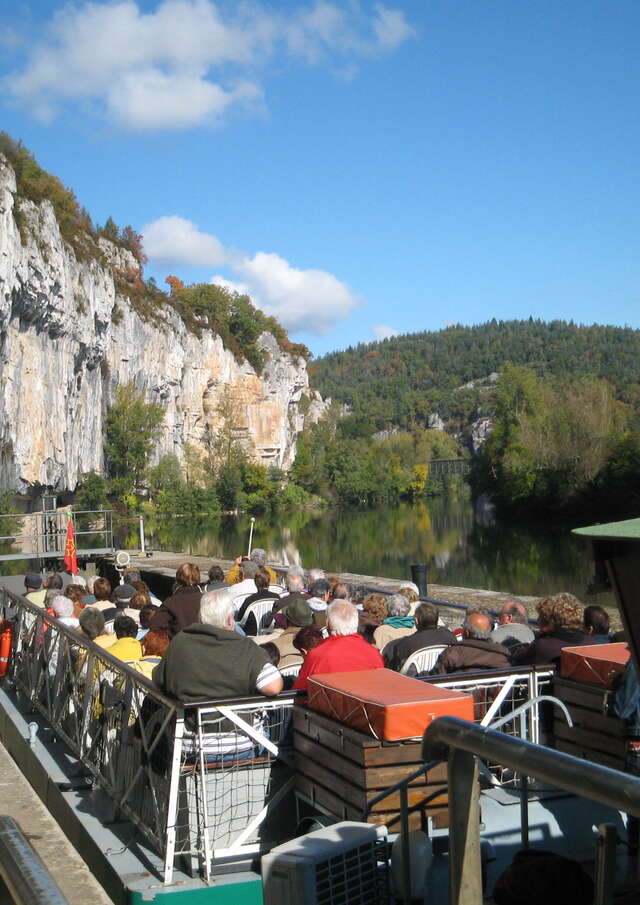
column 397, row 624
column 426, row 634
column 63, row 608
column 126, row 647
column 307, row 638
column 344, row 650
column 181, row 609
column 92, row 626
column 216, row 579
column 513, row 626
column 596, row 624
column 208, row 660
column 297, row 615
column 259, row 557
column 567, row 624
column 296, row 594
column 263, row 593
column 102, row 593
column 374, row 612
column 34, row 592
column 476, row 650
column 320, row 591
column 154, row 647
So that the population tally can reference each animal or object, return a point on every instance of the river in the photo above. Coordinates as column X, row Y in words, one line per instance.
column 462, row 548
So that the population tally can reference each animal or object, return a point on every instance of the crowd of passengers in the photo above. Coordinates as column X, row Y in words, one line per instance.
column 242, row 633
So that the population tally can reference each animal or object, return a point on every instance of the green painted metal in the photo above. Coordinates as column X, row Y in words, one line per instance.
column 627, row 530
column 223, row 892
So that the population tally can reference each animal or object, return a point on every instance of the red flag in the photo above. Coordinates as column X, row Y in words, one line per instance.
column 70, row 551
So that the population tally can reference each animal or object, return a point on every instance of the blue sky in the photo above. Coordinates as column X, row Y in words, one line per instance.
column 359, row 168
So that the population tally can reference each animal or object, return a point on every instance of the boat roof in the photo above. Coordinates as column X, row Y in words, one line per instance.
column 626, row 530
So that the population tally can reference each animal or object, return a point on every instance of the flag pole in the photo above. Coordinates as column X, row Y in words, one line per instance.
column 253, row 521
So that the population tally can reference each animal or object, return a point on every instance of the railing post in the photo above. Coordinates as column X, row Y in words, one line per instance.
column 606, row 842
column 465, row 873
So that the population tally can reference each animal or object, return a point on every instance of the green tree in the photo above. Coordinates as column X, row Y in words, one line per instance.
column 132, row 426
column 91, row 492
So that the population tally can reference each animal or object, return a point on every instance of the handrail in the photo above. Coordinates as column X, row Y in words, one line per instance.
column 602, row 784
column 23, row 871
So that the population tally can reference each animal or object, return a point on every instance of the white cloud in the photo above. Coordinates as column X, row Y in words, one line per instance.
column 185, row 62
column 381, row 331
column 179, row 241
column 312, row 300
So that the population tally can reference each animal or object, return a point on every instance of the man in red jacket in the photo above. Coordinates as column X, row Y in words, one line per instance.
column 344, row 650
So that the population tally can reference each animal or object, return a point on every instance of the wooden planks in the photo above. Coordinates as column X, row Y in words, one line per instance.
column 595, row 735
column 342, row 770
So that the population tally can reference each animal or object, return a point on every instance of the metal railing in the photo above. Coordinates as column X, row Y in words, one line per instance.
column 23, row 871
column 461, row 743
column 42, row 535
column 200, row 782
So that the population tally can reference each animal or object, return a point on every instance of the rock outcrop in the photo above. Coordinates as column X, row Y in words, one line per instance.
column 69, row 338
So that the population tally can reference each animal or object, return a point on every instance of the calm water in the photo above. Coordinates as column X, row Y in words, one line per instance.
column 462, row 548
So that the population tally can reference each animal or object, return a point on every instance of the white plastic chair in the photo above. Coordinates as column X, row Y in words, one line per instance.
column 423, row 659
column 292, row 670
column 277, row 589
column 259, row 610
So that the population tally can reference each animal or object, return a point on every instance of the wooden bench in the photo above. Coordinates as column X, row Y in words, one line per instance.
column 595, row 735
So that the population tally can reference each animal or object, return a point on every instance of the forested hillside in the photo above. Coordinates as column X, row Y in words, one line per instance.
column 401, row 380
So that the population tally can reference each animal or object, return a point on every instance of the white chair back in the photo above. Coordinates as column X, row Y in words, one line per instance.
column 259, row 609
column 277, row 589
column 292, row 670
column 423, row 659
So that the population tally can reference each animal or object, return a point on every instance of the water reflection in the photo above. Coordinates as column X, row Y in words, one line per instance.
column 461, row 550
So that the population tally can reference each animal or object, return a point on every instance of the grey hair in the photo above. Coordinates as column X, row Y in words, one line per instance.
column 249, row 568
column 474, row 632
column 315, row 575
column 62, row 606
column 398, row 605
column 342, row 618
column 216, row 607
column 91, row 622
column 259, row 556
column 517, row 611
column 295, row 582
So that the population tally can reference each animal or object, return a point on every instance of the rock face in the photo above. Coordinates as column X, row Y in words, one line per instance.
column 68, row 339
column 480, row 430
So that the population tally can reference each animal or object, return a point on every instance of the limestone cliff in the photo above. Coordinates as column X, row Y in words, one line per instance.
column 69, row 338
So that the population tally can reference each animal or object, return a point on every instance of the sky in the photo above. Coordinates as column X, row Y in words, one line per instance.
column 359, row 168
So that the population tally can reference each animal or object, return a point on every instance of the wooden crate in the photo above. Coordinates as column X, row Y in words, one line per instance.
column 595, row 735
column 341, row 770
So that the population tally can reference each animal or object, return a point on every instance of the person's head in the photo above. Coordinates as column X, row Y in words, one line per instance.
column 62, row 606
column 188, row 575
column 341, row 591
column 272, row 652
column 248, row 568
column 50, row 596
column 398, row 605
column 262, row 580
column 139, row 599
column 342, row 618
column 102, row 589
column 376, row 605
column 298, row 613
column 124, row 627
column 320, row 588
column 131, row 575
column 141, row 586
column 216, row 573
column 75, row 592
column 544, row 608
column 358, row 595
column 307, row 638
column 295, row 582
column 155, row 644
column 216, row 609
column 259, row 556
column 426, row 616
column 91, row 622
column 567, row 612
column 122, row 594
column 315, row 574
column 596, row 620
column 54, row 582
column 477, row 625
column 146, row 615
column 512, row 611
column 536, row 876
column 32, row 581
column 409, row 593
column 410, row 586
